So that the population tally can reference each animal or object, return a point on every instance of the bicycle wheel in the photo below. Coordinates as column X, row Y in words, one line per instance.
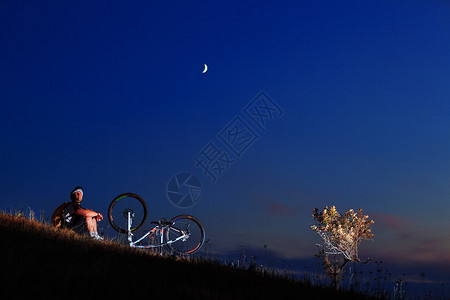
column 121, row 206
column 189, row 232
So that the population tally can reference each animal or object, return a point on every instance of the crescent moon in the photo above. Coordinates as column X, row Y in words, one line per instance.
column 206, row 69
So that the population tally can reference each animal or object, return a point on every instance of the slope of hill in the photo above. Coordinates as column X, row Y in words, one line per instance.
column 40, row 261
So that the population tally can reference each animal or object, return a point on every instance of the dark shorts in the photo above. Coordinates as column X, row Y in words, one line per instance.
column 78, row 224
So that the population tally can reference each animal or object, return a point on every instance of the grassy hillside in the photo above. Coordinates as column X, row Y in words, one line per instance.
column 41, row 261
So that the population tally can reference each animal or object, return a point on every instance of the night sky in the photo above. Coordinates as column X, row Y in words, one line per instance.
column 110, row 95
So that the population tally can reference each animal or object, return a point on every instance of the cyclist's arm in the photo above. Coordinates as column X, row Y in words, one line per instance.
column 86, row 212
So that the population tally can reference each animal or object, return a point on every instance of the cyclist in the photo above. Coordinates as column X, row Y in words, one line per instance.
column 79, row 218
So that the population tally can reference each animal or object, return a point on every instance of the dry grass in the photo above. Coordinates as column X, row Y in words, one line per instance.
column 41, row 261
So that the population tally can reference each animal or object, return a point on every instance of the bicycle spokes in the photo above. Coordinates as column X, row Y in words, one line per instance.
column 187, row 234
column 123, row 206
column 183, row 233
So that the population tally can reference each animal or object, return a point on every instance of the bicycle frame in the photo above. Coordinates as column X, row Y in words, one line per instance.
column 159, row 230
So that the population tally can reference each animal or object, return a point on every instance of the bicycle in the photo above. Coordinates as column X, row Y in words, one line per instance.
column 182, row 234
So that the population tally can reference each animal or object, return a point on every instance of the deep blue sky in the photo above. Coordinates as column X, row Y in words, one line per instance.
column 111, row 96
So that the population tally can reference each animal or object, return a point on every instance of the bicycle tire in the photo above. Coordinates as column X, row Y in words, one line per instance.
column 121, row 205
column 196, row 234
